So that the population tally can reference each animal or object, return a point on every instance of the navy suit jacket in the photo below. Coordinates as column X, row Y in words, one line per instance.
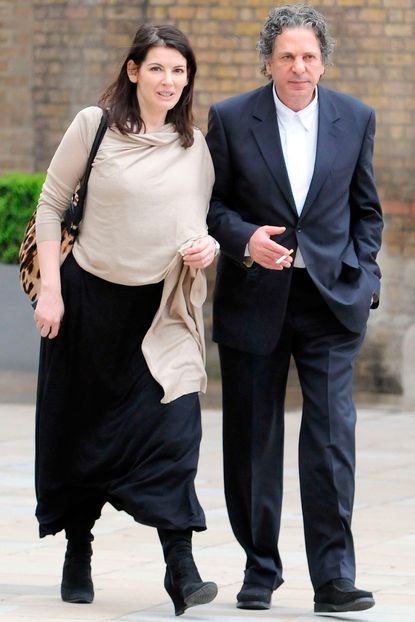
column 338, row 231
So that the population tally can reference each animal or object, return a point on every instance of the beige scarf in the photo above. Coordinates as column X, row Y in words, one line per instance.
column 147, row 198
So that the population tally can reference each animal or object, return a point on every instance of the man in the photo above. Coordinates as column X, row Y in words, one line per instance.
column 293, row 164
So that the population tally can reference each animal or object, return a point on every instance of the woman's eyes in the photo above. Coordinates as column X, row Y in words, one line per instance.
column 179, row 70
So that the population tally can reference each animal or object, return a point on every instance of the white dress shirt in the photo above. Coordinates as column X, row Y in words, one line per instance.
column 298, row 131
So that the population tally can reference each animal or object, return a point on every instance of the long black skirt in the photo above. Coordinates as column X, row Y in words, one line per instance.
column 102, row 434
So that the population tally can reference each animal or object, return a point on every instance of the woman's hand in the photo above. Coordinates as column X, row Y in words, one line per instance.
column 200, row 253
column 49, row 313
column 49, row 309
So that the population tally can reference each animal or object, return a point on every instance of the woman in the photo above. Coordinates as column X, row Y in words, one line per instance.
column 122, row 351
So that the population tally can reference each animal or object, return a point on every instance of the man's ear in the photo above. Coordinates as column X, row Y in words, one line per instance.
column 132, row 71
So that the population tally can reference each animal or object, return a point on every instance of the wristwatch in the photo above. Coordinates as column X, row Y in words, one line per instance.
column 217, row 246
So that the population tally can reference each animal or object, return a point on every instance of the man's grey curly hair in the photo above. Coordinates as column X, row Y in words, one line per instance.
column 293, row 16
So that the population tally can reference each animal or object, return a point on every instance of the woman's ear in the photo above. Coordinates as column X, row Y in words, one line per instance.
column 132, row 71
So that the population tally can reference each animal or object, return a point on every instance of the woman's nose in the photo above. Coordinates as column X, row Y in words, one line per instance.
column 167, row 78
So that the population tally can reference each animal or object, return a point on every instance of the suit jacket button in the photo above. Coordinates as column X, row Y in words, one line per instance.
column 299, row 229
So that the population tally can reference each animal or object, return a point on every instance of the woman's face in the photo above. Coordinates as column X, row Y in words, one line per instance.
column 160, row 80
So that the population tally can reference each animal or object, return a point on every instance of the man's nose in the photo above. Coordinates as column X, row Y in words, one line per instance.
column 298, row 65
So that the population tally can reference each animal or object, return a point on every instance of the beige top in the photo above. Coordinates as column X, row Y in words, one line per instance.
column 147, row 197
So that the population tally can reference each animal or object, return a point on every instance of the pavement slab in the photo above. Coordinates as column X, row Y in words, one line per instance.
column 128, row 567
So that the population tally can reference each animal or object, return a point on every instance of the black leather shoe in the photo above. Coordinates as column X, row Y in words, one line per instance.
column 340, row 595
column 254, row 596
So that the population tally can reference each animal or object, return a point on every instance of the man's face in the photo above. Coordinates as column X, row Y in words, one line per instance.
column 295, row 66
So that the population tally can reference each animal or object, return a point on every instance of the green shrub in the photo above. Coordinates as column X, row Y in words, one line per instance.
column 19, row 193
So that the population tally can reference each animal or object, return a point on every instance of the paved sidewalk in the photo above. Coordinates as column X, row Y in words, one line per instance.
column 127, row 565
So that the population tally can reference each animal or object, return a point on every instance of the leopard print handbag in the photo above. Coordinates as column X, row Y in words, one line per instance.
column 29, row 272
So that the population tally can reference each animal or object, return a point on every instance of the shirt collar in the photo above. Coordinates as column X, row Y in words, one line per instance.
column 306, row 116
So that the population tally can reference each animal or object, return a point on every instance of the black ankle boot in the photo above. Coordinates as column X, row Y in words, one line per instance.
column 77, row 586
column 185, row 586
column 182, row 581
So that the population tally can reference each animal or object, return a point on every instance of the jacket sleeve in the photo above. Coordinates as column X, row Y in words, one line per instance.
column 224, row 222
column 366, row 213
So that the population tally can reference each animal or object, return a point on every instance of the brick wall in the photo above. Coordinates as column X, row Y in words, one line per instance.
column 77, row 47
column 16, row 70
column 380, row 366
column 56, row 56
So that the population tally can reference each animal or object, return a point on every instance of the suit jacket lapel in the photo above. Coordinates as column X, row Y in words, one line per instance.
column 267, row 136
column 327, row 145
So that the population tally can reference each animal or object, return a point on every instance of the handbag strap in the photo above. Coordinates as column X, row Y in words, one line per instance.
column 74, row 213
column 102, row 128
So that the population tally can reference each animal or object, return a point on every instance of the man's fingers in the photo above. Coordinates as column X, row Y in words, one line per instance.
column 284, row 257
column 270, row 230
column 271, row 249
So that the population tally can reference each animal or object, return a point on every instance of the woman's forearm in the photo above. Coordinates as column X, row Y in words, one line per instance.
column 49, row 309
column 49, row 264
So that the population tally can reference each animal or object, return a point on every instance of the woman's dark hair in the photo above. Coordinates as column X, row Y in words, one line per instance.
column 120, row 98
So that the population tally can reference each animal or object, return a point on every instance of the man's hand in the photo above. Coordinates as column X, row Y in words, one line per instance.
column 266, row 252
